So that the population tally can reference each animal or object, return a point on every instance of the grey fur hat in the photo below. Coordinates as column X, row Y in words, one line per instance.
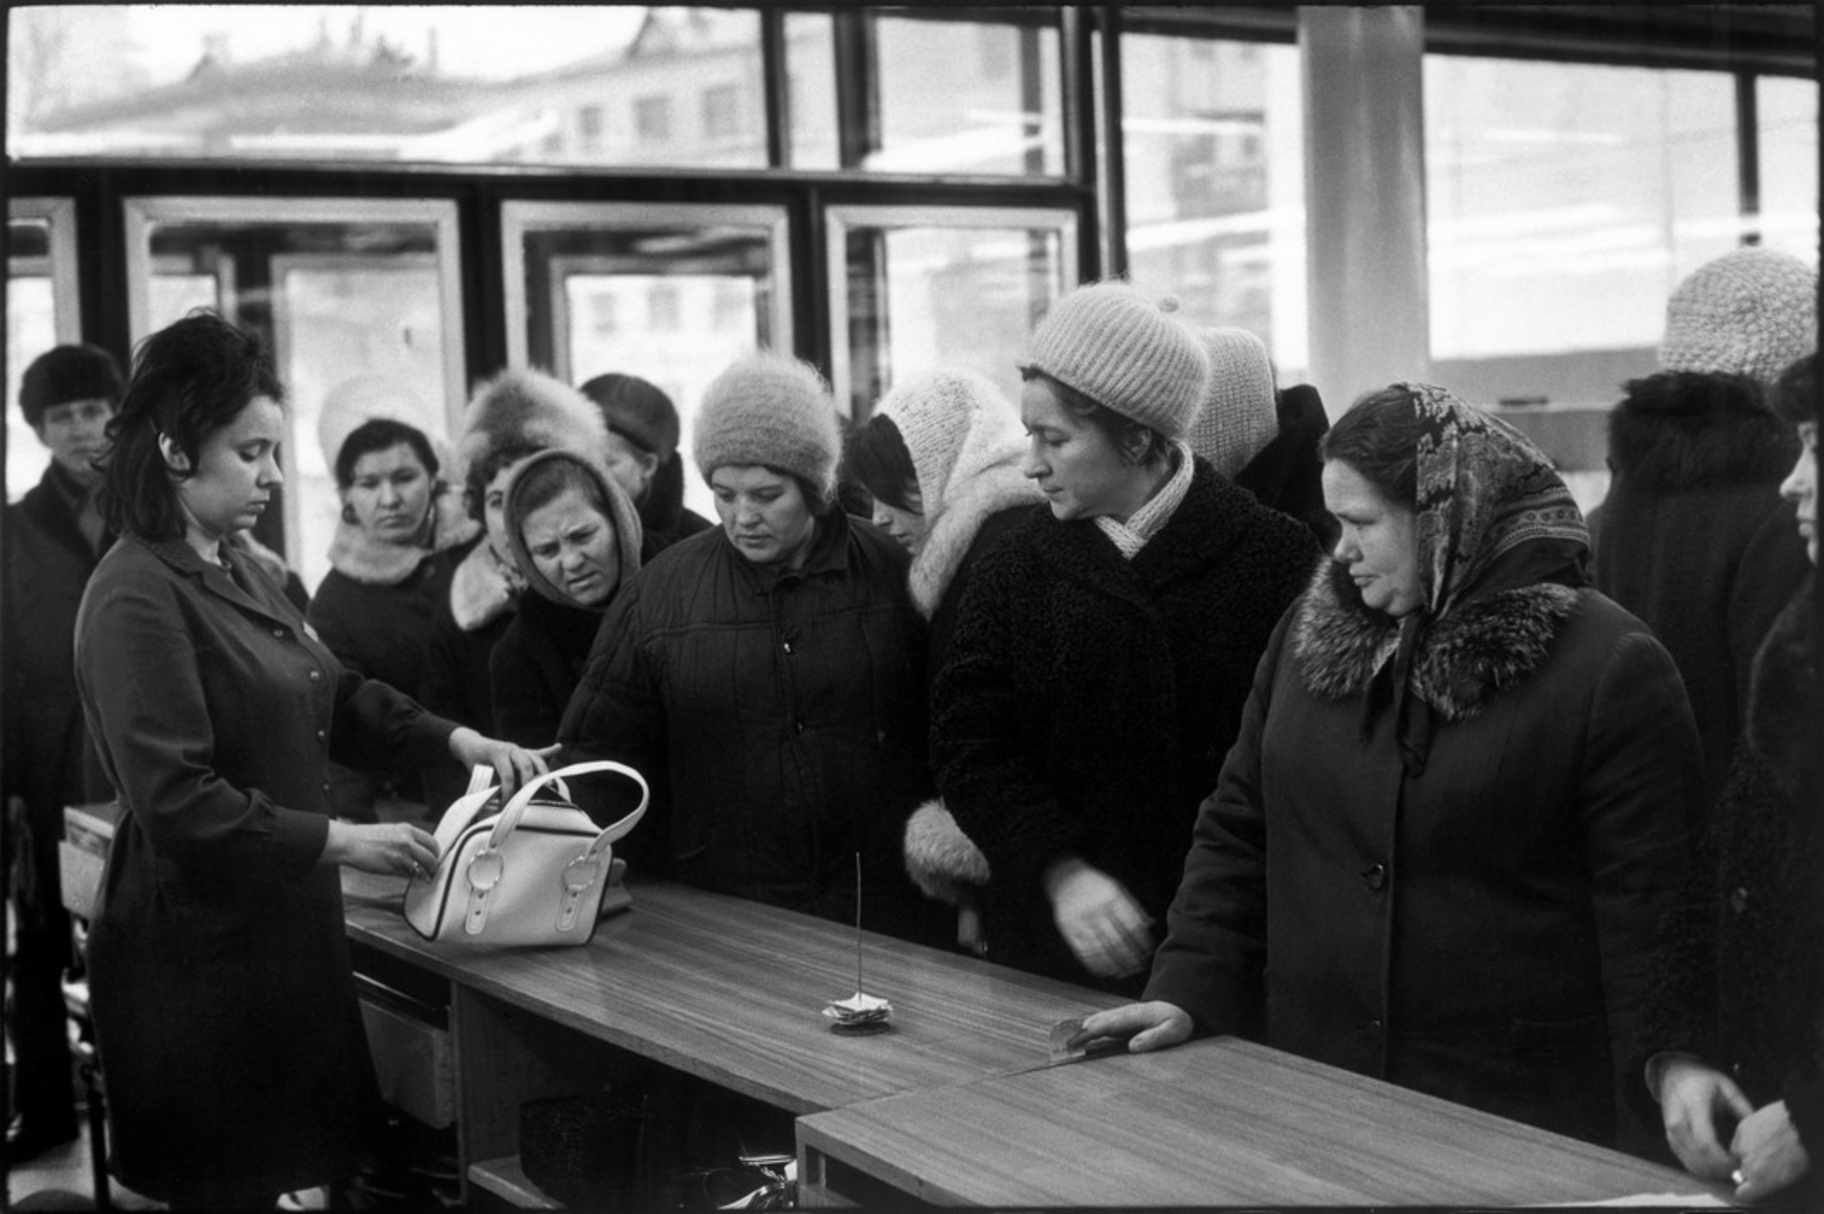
column 528, row 409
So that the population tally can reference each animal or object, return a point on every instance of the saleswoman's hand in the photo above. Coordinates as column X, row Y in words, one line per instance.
column 1105, row 927
column 1692, row 1096
column 393, row 849
column 514, row 765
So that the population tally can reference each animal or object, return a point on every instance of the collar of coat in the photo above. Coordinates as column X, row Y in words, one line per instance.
column 1689, row 429
column 1214, row 517
column 253, row 571
column 996, row 488
column 1464, row 659
column 48, row 504
column 483, row 588
column 355, row 554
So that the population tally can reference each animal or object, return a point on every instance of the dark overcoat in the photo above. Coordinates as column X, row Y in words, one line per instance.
column 224, row 1002
column 1694, row 539
column 1086, row 700
column 780, row 716
column 1488, row 929
column 535, row 667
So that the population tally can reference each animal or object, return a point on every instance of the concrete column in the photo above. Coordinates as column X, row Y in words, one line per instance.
column 1364, row 197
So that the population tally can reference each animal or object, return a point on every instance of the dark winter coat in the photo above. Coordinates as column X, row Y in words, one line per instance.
column 48, row 762
column 1485, row 928
column 987, row 537
column 223, row 998
column 536, row 666
column 471, row 617
column 1756, row 918
column 1694, row 539
column 1087, row 700
column 779, row 715
column 1287, row 474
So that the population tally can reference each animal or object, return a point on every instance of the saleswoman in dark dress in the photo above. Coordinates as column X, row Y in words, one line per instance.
column 224, row 1002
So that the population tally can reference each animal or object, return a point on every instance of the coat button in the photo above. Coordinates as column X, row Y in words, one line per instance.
column 787, row 647
column 1375, row 1025
column 316, row 676
column 798, row 726
column 1738, row 899
column 1375, row 877
column 322, row 735
column 279, row 633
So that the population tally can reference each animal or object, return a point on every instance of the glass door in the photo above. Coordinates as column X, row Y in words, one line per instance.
column 42, row 310
column 670, row 294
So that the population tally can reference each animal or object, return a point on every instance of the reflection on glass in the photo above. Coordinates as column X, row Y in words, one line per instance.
column 921, row 295
column 31, row 329
column 1788, row 112
column 810, row 74
column 1565, row 201
column 335, row 301
column 671, row 303
column 966, row 97
column 1214, row 149
column 597, row 84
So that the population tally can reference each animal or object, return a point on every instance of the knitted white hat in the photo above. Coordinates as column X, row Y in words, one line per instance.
column 1239, row 414
column 773, row 410
column 356, row 401
column 955, row 423
column 1126, row 352
column 1749, row 312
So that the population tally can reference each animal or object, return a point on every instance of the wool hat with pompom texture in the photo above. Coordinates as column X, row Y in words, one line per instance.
column 1125, row 351
column 1751, row 312
column 773, row 410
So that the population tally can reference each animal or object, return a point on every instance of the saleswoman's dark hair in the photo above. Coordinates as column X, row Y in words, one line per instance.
column 878, row 459
column 189, row 380
column 1379, row 438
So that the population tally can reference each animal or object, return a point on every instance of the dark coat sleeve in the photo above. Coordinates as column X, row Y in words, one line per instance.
column 145, row 695
column 984, row 767
column 616, row 713
column 1212, row 960
column 1640, row 791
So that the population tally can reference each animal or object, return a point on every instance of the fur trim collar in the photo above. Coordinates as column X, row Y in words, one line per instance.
column 359, row 557
column 483, row 588
column 1685, row 430
column 1464, row 659
column 940, row 858
column 995, row 488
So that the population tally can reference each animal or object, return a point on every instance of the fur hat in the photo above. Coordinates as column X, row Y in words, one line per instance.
column 527, row 408
column 638, row 410
column 774, row 410
column 1752, row 311
column 1240, row 414
column 354, row 402
column 67, row 373
column 1126, row 352
column 621, row 513
column 942, row 860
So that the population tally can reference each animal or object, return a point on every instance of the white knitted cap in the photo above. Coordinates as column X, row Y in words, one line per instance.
column 1239, row 414
column 1124, row 351
column 1749, row 312
column 955, row 423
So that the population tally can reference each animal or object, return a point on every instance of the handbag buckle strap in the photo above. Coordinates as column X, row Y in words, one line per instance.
column 578, row 877
column 484, row 873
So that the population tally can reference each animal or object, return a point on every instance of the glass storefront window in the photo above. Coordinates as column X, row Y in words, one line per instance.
column 1787, row 107
column 41, row 312
column 916, row 289
column 1564, row 202
column 340, row 288
column 595, row 84
column 593, row 288
column 1213, row 143
column 810, row 73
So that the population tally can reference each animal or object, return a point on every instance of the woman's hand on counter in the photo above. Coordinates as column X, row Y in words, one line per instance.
column 1155, row 1025
column 1771, row 1152
column 388, row 848
column 514, row 765
column 1691, row 1095
column 1108, row 930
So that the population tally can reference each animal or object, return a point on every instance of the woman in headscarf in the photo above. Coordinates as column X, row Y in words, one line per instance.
column 576, row 540
column 1441, row 850
column 941, row 458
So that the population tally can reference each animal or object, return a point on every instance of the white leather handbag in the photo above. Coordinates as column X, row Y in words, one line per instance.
column 533, row 874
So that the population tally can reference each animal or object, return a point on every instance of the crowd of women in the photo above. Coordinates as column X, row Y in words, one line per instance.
column 1335, row 739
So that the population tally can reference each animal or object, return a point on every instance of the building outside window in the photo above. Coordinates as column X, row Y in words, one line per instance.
column 652, row 119
column 721, row 111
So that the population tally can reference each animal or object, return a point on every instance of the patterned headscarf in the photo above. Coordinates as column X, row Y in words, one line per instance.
column 1492, row 512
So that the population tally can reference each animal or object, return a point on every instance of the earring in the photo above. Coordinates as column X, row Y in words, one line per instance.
column 348, row 515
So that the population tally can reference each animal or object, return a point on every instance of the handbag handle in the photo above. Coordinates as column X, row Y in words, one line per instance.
column 487, row 867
